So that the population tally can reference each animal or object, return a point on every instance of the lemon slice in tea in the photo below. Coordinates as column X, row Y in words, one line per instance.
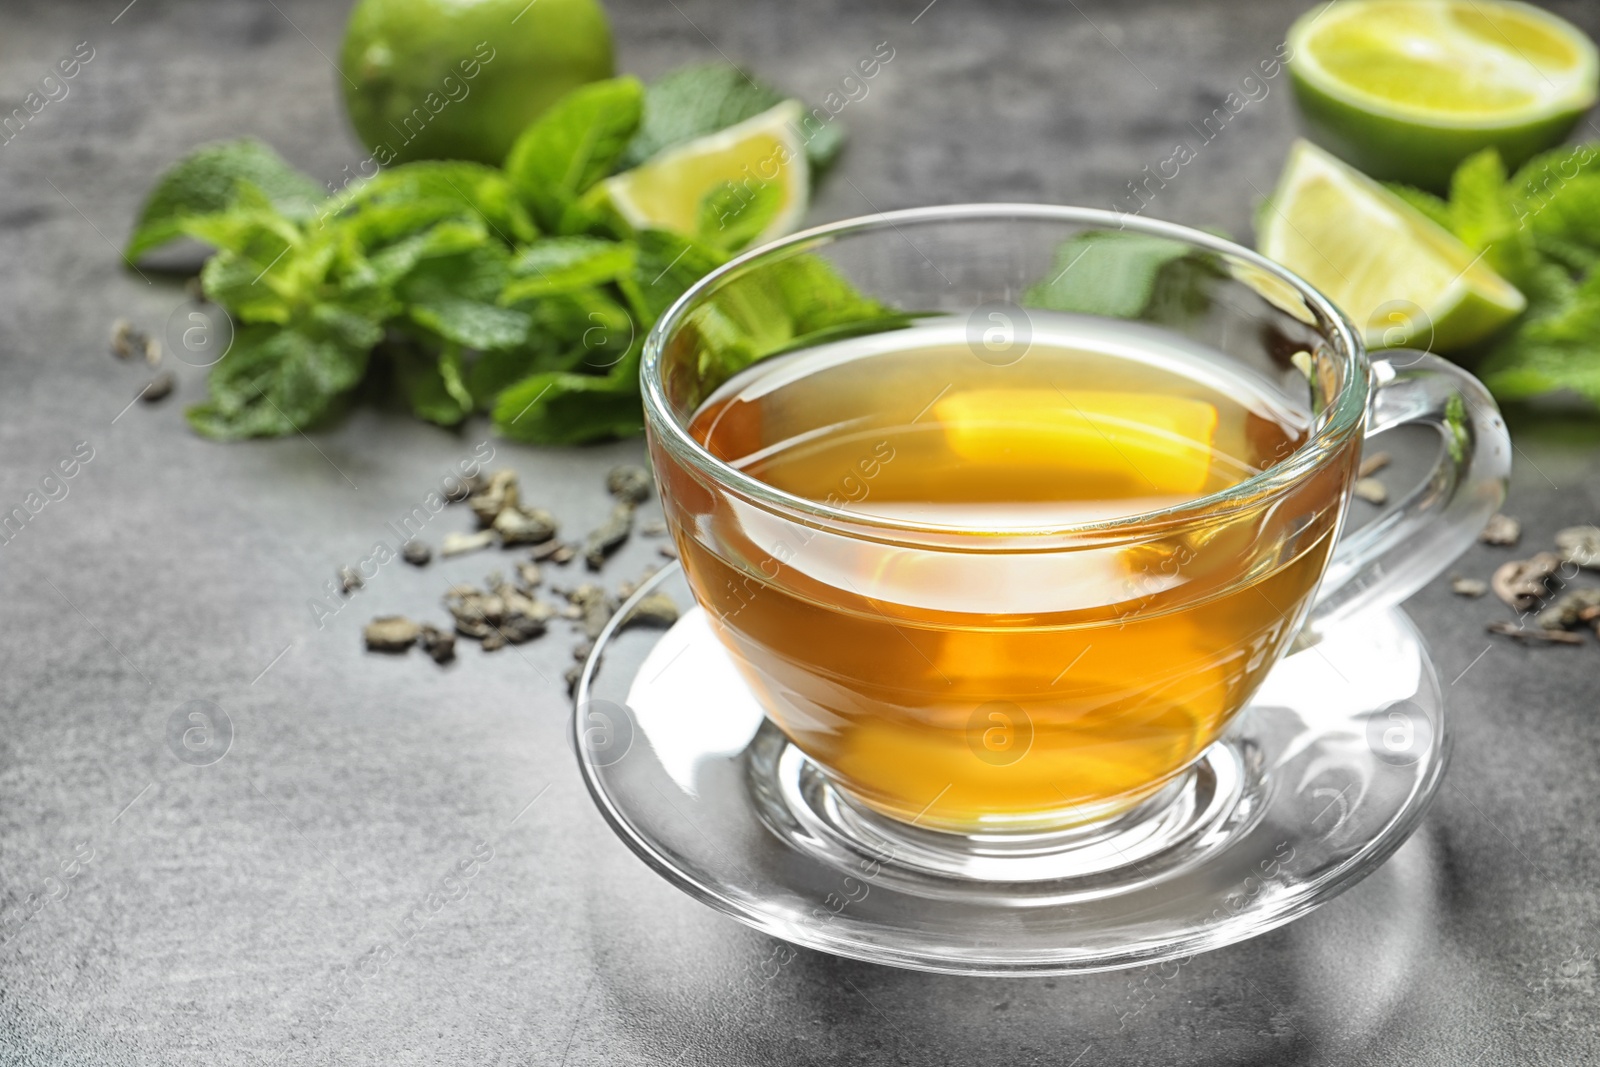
column 763, row 155
column 1407, row 89
column 1400, row 277
column 1122, row 443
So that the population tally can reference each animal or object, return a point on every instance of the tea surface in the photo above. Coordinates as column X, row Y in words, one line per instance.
column 1092, row 426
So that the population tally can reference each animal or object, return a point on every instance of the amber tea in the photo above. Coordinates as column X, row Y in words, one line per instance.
column 964, row 687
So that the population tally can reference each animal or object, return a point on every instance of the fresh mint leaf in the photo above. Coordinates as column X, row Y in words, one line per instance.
column 1553, row 346
column 1436, row 208
column 234, row 280
column 1540, row 230
column 266, row 267
column 1105, row 272
column 434, row 189
column 783, row 304
column 1577, row 257
column 245, row 228
column 732, row 216
column 456, row 298
column 1568, row 213
column 270, row 270
column 1544, row 174
column 435, row 386
column 1540, row 369
column 1538, row 361
column 559, row 407
column 447, row 260
column 1481, row 208
column 447, row 238
column 467, row 322
column 817, row 297
column 352, row 327
column 493, row 371
column 426, row 210
column 792, row 303
column 277, row 380
column 378, row 226
column 475, row 273
column 1487, row 217
column 562, row 264
column 585, row 331
column 698, row 100
column 667, row 266
column 573, row 145
column 1548, row 286
column 600, row 333
column 206, row 183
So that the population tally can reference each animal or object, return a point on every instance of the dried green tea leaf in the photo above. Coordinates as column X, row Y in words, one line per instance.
column 655, row 609
column 594, row 607
column 1570, row 609
column 629, row 482
column 1522, row 583
column 458, row 544
column 349, row 580
column 497, row 492
column 439, row 644
column 1371, row 490
column 391, row 633
column 609, row 536
column 524, row 525
column 159, row 388
column 128, row 341
column 1526, row 636
column 1580, row 545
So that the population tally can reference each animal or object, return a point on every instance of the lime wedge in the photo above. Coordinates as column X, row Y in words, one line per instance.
column 1406, row 89
column 669, row 190
column 1399, row 276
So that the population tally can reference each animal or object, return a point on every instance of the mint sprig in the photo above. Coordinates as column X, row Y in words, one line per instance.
column 512, row 291
column 1540, row 229
column 205, row 183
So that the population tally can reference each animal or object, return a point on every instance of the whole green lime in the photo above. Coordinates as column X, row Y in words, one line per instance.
column 460, row 79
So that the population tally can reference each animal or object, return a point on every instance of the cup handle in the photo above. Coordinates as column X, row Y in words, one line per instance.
column 1423, row 532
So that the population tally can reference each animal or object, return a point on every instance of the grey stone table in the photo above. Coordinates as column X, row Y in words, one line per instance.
column 153, row 911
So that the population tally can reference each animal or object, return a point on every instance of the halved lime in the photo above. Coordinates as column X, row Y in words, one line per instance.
column 1399, row 276
column 766, row 151
column 1407, row 89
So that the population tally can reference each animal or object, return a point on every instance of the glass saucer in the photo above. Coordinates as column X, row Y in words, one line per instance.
column 1315, row 784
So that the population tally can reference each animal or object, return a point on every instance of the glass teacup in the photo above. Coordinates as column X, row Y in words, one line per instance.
column 1005, row 670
